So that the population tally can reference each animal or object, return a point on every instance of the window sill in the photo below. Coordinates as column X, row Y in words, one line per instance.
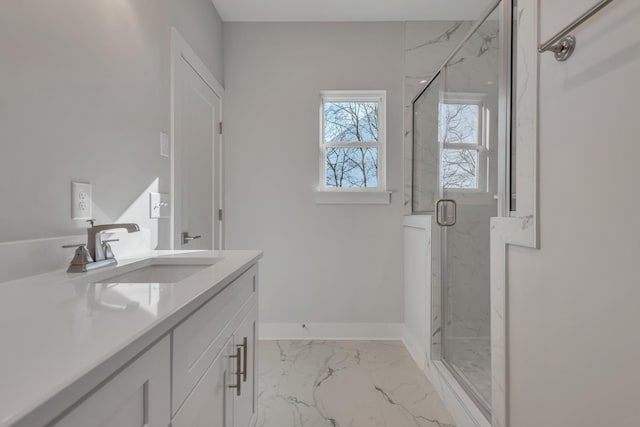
column 353, row 197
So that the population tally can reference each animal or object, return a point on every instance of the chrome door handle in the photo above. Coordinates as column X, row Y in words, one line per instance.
column 238, row 385
column 443, row 203
column 186, row 238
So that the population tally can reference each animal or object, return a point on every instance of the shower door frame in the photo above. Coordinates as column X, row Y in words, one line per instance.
column 456, row 382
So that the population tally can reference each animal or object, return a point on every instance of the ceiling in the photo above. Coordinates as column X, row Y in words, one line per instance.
column 348, row 10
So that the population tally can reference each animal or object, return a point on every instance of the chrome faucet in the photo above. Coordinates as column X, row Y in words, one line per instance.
column 96, row 253
column 94, row 238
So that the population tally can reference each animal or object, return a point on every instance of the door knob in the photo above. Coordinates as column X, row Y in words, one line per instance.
column 186, row 238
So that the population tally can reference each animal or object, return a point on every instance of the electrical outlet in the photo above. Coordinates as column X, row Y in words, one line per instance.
column 80, row 200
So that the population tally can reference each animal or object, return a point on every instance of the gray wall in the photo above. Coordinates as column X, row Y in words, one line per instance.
column 573, row 304
column 84, row 95
column 322, row 263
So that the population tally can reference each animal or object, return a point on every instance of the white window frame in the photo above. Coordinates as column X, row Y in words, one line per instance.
column 378, row 96
column 483, row 138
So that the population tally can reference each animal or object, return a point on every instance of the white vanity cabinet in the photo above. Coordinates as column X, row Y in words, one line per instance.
column 211, row 402
column 137, row 396
column 246, row 339
column 202, row 373
column 200, row 338
column 226, row 395
column 221, row 393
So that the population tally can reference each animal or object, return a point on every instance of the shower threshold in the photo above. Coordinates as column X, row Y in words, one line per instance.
column 472, row 391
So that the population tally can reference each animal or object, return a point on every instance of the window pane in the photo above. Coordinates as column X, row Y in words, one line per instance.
column 459, row 124
column 355, row 167
column 351, row 121
column 459, row 169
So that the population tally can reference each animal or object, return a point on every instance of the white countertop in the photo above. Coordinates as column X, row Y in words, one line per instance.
column 62, row 334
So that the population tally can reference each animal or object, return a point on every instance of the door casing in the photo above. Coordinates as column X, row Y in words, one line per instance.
column 181, row 51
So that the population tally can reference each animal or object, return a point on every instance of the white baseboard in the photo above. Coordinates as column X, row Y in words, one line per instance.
column 330, row 331
column 416, row 350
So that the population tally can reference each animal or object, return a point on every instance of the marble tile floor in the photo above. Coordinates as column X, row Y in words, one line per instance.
column 344, row 384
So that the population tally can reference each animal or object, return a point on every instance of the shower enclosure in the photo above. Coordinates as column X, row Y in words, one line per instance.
column 460, row 175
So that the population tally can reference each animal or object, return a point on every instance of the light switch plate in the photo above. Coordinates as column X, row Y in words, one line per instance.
column 158, row 205
column 80, row 200
column 165, row 149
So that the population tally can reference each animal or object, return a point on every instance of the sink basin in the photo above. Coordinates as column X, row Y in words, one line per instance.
column 159, row 273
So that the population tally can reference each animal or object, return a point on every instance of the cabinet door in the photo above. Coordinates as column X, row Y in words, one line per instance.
column 246, row 339
column 201, row 337
column 136, row 397
column 210, row 404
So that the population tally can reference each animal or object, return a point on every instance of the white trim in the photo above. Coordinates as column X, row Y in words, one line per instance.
column 179, row 46
column 482, row 147
column 332, row 197
column 180, row 49
column 418, row 346
column 463, row 97
column 378, row 96
column 421, row 221
column 330, row 331
column 415, row 350
column 521, row 228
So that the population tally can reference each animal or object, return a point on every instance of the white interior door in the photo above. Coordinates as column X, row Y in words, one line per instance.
column 196, row 155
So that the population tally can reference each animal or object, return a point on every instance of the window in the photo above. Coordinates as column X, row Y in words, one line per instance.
column 461, row 133
column 352, row 141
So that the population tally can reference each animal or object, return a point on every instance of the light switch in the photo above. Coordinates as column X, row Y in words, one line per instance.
column 80, row 200
column 158, row 205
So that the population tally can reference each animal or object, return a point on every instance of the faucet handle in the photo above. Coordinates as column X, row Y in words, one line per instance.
column 80, row 259
column 74, row 245
column 106, row 249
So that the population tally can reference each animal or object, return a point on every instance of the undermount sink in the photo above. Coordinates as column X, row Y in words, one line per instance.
column 158, row 273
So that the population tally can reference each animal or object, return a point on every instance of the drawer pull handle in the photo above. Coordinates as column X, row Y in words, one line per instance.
column 238, row 385
column 244, row 359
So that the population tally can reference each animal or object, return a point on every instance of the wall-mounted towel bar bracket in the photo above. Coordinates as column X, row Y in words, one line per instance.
column 563, row 49
column 563, row 44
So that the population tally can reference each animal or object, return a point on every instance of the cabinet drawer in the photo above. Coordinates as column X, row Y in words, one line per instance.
column 202, row 336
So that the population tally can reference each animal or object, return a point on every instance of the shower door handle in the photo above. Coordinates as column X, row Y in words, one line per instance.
column 446, row 212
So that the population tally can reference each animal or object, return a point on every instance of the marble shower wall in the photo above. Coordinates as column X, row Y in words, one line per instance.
column 425, row 150
column 468, row 282
column 475, row 70
column 427, row 45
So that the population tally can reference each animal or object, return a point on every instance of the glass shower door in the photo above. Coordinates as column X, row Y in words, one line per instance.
column 468, row 187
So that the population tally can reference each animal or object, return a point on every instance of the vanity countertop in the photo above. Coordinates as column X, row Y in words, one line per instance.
column 63, row 334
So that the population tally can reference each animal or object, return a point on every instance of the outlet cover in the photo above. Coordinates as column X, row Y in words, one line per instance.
column 165, row 149
column 80, row 200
